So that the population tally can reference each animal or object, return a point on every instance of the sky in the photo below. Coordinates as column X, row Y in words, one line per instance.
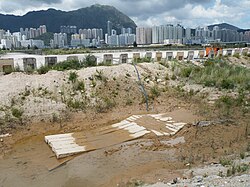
column 190, row 13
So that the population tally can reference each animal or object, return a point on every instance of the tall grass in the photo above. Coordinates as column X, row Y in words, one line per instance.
column 218, row 74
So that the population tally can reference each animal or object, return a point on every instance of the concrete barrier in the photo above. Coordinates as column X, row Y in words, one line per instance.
column 6, row 65
column 91, row 59
column 201, row 54
column 220, row 53
column 50, row 61
column 169, row 55
column 211, row 54
column 148, row 55
column 180, row 56
column 108, row 58
column 29, row 64
column 123, row 58
column 229, row 52
column 136, row 57
column 190, row 55
column 237, row 52
column 158, row 56
column 244, row 51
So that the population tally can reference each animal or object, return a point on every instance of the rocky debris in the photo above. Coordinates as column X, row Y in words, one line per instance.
column 173, row 142
column 211, row 181
column 211, row 175
column 209, row 123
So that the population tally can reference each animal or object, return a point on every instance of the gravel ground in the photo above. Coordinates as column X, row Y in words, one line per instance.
column 210, row 181
column 208, row 176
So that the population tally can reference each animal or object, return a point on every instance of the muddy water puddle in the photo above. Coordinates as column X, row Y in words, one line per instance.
column 28, row 163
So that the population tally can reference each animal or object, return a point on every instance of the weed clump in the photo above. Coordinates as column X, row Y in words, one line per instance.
column 17, row 112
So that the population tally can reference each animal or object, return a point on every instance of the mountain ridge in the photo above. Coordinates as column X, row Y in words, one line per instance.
column 227, row 26
column 95, row 16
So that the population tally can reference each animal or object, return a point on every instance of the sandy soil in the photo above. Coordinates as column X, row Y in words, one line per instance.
column 26, row 158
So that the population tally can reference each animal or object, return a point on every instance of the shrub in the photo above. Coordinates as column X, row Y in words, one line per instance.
column 80, row 86
column 75, row 104
column 129, row 102
column 105, row 104
column 146, row 59
column 8, row 70
column 29, row 70
column 237, row 55
column 100, row 76
column 73, row 77
column 90, row 61
column 185, row 72
column 43, row 70
column 155, row 92
column 17, row 112
column 173, row 77
column 209, row 83
column 225, row 162
column 106, row 63
column 242, row 155
column 68, row 65
column 227, row 84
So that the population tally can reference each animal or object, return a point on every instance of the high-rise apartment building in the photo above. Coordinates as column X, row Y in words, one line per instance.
column 109, row 28
column 60, row 40
column 155, row 34
column 68, row 29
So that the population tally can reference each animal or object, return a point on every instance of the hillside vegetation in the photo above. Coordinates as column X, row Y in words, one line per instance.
column 95, row 16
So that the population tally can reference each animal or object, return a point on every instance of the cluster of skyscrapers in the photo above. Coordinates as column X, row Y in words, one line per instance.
column 87, row 37
column 125, row 38
column 177, row 34
column 24, row 38
column 94, row 37
column 69, row 36
column 29, row 33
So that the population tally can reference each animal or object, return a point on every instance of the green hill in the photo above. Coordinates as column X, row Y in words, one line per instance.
column 95, row 16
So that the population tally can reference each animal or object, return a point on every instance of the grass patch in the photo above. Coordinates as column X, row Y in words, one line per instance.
column 75, row 104
column 99, row 75
column 186, row 72
column 226, row 104
column 80, row 86
column 236, row 55
column 43, row 70
column 155, row 92
column 64, row 51
column 104, row 105
column 216, row 73
column 68, row 65
column 242, row 155
column 225, row 162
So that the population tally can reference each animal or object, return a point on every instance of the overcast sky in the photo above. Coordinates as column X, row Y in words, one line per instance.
column 190, row 13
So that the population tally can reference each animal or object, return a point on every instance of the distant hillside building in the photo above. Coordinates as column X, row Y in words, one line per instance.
column 69, row 29
column 143, row 35
column 32, row 43
column 60, row 40
column 33, row 32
